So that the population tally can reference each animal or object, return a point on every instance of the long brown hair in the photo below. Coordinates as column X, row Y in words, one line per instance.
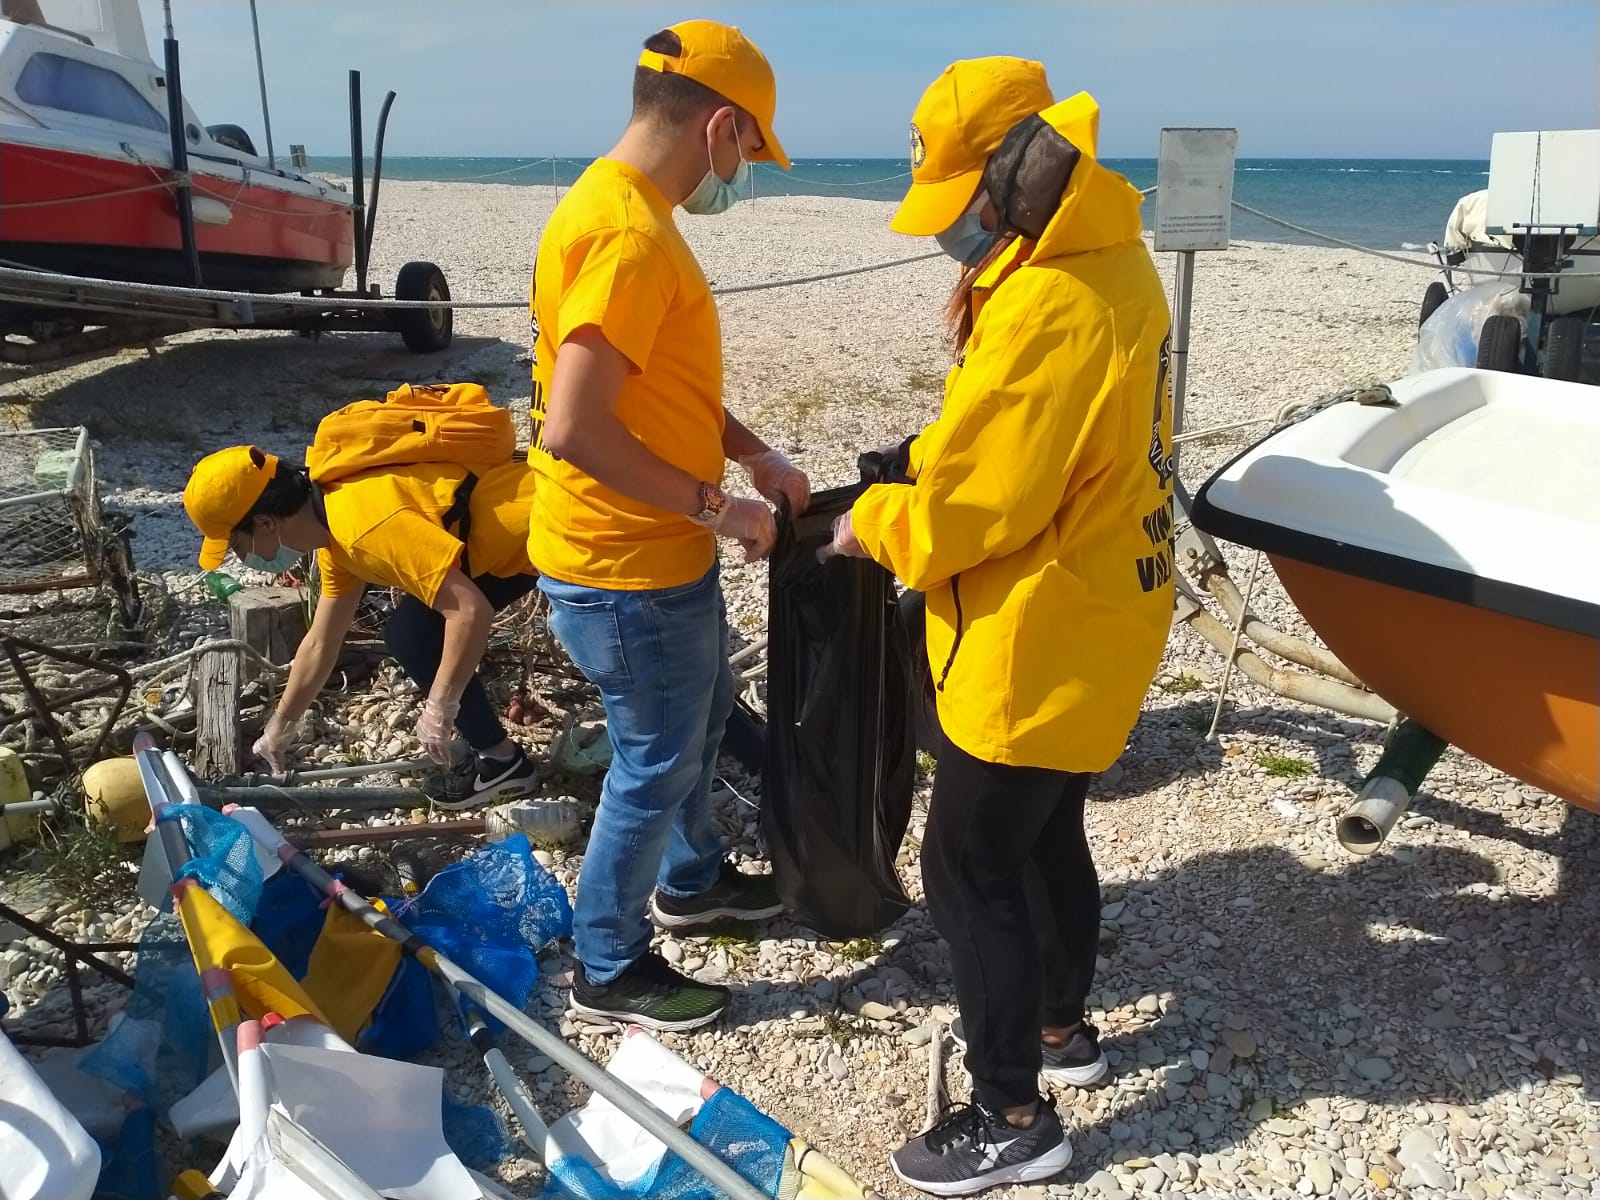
column 958, row 312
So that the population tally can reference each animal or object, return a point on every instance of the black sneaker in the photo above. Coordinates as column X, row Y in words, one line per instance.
column 483, row 779
column 976, row 1148
column 1078, row 1063
column 735, row 896
column 648, row 993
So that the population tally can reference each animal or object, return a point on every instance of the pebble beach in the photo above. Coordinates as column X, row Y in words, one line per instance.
column 1281, row 1018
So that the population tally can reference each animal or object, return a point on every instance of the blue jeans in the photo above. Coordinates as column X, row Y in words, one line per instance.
column 660, row 660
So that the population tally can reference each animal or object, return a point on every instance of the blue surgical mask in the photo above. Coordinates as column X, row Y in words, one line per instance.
column 967, row 241
column 286, row 557
column 715, row 194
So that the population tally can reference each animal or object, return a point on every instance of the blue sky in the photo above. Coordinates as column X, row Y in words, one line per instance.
column 525, row 78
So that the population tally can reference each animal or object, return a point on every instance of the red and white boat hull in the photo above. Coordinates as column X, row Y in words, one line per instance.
column 83, row 213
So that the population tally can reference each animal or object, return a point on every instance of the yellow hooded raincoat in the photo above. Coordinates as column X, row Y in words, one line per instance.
column 1040, row 521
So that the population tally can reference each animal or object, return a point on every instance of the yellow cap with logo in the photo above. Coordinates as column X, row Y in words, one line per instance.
column 222, row 489
column 727, row 62
column 959, row 122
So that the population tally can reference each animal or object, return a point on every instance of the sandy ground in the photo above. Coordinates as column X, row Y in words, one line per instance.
column 1280, row 1017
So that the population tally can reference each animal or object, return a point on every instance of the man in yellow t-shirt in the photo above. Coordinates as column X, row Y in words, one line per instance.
column 389, row 527
column 630, row 441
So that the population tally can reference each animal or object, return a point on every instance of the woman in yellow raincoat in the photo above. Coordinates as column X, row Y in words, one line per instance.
column 1038, row 524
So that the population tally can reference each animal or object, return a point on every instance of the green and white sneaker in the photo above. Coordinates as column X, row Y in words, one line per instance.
column 735, row 896
column 649, row 993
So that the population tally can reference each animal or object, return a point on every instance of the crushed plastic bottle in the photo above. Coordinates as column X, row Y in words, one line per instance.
column 543, row 820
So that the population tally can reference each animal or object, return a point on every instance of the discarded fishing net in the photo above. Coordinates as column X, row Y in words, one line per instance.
column 751, row 1142
column 475, row 1135
column 491, row 913
column 596, row 1152
column 160, row 1046
column 224, row 858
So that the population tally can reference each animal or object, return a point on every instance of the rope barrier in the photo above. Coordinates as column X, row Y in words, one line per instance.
column 777, row 173
column 1431, row 264
column 795, row 280
column 322, row 303
column 20, row 274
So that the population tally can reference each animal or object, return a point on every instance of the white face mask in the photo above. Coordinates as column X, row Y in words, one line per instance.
column 715, row 194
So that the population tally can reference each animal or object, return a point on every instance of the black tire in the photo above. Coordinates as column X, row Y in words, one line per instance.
column 1431, row 299
column 924, row 696
column 424, row 330
column 1500, row 344
column 1563, row 346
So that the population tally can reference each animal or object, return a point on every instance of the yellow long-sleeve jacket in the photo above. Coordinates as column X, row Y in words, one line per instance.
column 1040, row 521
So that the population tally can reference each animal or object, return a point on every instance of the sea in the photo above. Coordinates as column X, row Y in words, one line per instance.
column 1384, row 203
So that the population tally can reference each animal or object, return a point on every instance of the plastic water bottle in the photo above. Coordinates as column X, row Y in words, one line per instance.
column 543, row 820
column 221, row 585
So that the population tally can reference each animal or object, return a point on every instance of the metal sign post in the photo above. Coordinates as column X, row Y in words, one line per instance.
column 1194, row 206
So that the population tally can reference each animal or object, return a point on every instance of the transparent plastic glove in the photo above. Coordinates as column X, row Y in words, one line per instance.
column 436, row 727
column 844, row 544
column 775, row 477
column 748, row 522
column 273, row 745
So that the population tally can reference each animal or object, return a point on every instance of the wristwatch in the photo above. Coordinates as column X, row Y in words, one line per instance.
column 712, row 501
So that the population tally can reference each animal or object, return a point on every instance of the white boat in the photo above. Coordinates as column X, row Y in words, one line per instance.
column 1444, row 542
column 86, row 161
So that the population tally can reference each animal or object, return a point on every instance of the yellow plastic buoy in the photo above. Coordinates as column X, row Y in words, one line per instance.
column 114, row 796
column 13, row 790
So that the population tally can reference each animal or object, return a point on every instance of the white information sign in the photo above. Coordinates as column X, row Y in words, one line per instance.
column 1194, row 188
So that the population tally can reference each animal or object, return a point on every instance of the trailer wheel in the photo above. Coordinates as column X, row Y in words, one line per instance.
column 424, row 330
column 1500, row 344
column 1563, row 346
column 1431, row 300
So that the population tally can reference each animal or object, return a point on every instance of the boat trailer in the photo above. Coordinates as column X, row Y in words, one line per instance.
column 57, row 316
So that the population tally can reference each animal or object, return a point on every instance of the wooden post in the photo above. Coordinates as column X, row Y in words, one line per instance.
column 217, row 749
column 270, row 620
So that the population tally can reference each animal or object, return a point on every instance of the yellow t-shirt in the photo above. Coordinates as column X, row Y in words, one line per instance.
column 612, row 258
column 387, row 527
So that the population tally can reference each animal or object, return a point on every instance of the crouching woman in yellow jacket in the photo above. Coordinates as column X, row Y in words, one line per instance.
column 1038, row 524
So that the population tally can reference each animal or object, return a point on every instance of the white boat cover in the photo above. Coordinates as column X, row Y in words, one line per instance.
column 1467, row 232
column 1492, row 475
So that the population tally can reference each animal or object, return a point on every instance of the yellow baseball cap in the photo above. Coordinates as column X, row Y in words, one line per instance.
column 959, row 122
column 222, row 488
column 727, row 62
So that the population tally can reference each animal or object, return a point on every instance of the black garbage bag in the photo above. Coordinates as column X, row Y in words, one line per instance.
column 841, row 756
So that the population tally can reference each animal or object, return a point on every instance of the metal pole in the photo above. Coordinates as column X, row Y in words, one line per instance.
column 180, row 157
column 358, row 183
column 377, row 170
column 318, row 798
column 261, row 76
column 1183, row 287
